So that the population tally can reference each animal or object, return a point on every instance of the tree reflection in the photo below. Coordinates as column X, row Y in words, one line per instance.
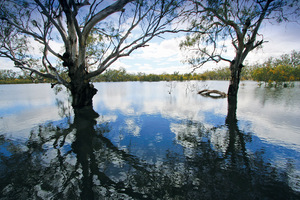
column 221, row 167
column 73, row 159
column 236, row 148
column 65, row 161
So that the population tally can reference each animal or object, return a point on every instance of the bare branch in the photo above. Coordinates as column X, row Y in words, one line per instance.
column 58, row 25
column 238, row 20
column 116, row 7
column 156, row 25
column 91, row 35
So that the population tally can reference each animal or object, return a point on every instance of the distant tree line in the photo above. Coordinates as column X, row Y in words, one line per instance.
column 115, row 75
column 13, row 77
column 282, row 71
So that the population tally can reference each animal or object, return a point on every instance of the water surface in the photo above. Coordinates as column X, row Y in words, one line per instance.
column 158, row 140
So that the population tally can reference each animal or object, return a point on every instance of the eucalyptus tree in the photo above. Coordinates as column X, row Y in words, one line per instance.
column 222, row 25
column 80, row 37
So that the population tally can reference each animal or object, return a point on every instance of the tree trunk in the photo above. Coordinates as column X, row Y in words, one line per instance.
column 231, row 110
column 82, row 90
column 82, row 94
column 235, row 69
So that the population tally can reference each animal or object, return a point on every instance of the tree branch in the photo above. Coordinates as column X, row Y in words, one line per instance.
column 58, row 25
column 116, row 7
column 154, row 28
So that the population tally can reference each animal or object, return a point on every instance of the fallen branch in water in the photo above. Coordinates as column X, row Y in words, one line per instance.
column 213, row 93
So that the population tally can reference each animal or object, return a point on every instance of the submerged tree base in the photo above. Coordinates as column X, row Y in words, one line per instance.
column 86, row 112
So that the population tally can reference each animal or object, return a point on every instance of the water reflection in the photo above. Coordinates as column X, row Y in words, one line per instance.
column 273, row 113
column 74, row 159
column 157, row 146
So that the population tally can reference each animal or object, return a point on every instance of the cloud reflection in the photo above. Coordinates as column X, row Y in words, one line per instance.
column 177, row 145
column 268, row 118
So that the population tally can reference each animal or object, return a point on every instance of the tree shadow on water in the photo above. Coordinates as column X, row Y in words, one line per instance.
column 66, row 161
column 221, row 165
column 72, row 159
column 252, row 173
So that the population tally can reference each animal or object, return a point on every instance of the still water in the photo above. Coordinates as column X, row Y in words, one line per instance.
column 158, row 140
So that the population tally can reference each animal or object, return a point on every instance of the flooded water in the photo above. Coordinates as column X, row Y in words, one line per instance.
column 158, row 140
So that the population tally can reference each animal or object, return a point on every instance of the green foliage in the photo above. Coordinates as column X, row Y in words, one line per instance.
column 13, row 77
column 279, row 72
column 276, row 75
column 216, row 22
column 276, row 72
column 111, row 75
column 220, row 74
column 114, row 75
column 7, row 74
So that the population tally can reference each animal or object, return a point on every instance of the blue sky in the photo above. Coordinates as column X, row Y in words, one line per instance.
column 164, row 56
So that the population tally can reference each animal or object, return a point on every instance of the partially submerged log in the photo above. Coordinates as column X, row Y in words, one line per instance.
column 213, row 93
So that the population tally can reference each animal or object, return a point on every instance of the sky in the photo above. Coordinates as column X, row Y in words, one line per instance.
column 162, row 55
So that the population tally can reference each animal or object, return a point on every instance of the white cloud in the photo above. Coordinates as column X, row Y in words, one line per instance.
column 57, row 46
column 6, row 64
column 145, row 67
column 35, row 50
column 164, row 55
column 168, row 48
column 160, row 56
column 119, row 64
column 282, row 39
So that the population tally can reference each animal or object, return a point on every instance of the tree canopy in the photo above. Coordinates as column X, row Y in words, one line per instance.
column 222, row 25
column 81, row 37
